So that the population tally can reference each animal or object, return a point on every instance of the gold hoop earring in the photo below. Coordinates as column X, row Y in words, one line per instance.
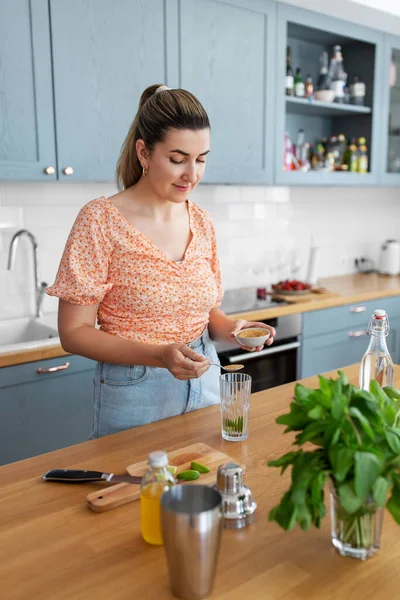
column 145, row 171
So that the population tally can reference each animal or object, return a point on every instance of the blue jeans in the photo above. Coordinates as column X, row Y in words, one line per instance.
column 127, row 396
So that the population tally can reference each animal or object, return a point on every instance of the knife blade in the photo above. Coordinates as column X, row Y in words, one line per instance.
column 77, row 476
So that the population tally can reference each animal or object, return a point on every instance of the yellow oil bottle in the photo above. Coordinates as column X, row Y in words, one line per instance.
column 154, row 483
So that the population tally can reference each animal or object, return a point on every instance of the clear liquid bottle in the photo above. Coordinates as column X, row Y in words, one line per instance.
column 324, row 82
column 154, row 483
column 376, row 362
column 337, row 75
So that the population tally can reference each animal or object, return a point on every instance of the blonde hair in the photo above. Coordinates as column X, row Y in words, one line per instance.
column 157, row 113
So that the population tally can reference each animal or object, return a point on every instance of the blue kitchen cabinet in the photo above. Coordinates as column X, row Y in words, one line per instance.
column 308, row 34
column 390, row 168
column 27, row 140
column 226, row 56
column 337, row 337
column 104, row 55
column 45, row 411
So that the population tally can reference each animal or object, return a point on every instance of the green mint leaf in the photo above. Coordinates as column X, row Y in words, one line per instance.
column 303, row 516
column 302, row 393
column 342, row 459
column 284, row 461
column 311, row 433
column 338, row 406
column 343, row 378
column 285, row 513
column 325, row 386
column 392, row 392
column 320, row 397
column 317, row 412
column 378, row 392
column 393, row 441
column 357, row 414
column 380, row 490
column 393, row 504
column 296, row 419
column 367, row 469
column 348, row 498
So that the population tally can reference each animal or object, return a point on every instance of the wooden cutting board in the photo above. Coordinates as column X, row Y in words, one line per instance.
column 110, row 497
column 315, row 294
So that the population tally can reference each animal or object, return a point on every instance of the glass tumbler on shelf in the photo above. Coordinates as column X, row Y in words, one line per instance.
column 235, row 389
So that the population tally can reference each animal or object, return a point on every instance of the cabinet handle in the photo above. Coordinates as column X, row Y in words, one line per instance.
column 357, row 309
column 42, row 371
column 68, row 171
column 50, row 170
column 357, row 333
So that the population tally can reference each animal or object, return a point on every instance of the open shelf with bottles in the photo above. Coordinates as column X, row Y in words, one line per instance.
column 304, row 106
column 332, row 130
column 391, row 113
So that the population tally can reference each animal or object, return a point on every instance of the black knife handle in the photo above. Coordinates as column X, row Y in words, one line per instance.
column 72, row 476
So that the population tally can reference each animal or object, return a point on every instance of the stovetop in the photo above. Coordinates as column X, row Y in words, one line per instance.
column 245, row 299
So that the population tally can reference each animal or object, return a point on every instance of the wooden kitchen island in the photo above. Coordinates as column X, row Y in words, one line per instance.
column 53, row 547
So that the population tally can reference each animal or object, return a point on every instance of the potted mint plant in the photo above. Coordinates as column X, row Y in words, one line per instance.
column 356, row 438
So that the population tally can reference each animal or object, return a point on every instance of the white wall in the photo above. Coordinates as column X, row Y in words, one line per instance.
column 255, row 226
column 389, row 6
column 377, row 14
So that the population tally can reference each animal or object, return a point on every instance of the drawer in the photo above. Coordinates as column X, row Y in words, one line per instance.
column 28, row 372
column 352, row 317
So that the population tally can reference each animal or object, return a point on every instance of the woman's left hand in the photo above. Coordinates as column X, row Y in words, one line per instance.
column 242, row 324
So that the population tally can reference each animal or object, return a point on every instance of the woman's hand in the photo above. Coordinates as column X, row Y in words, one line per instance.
column 183, row 362
column 242, row 324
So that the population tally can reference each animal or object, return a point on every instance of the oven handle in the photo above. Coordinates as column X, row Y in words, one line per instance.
column 274, row 350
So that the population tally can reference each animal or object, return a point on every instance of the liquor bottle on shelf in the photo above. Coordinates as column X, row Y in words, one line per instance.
column 288, row 154
column 309, row 89
column 289, row 80
column 357, row 91
column 302, row 151
column 299, row 87
column 362, row 155
column 323, row 82
column 337, row 75
column 351, row 156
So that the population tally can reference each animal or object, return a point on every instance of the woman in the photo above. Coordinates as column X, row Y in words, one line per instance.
column 144, row 263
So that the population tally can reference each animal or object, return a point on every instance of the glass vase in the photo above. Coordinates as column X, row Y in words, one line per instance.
column 357, row 535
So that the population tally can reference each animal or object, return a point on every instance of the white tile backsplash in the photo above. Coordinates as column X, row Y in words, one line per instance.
column 258, row 229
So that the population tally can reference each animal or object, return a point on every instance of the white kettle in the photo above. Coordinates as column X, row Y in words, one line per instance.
column 389, row 259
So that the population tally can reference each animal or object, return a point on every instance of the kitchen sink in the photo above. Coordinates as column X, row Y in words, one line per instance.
column 27, row 333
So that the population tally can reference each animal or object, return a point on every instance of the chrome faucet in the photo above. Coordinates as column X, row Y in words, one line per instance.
column 39, row 288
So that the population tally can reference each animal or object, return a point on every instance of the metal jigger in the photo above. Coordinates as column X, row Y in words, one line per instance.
column 238, row 506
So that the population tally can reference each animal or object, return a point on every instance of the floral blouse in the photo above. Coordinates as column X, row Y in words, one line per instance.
column 142, row 295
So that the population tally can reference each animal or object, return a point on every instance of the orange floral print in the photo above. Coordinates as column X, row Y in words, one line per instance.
column 142, row 295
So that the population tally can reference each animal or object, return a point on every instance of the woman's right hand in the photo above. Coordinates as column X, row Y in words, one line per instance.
column 183, row 362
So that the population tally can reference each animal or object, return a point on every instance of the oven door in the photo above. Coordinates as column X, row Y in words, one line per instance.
column 268, row 368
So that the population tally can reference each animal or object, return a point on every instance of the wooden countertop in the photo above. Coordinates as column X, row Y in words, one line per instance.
column 52, row 547
column 349, row 289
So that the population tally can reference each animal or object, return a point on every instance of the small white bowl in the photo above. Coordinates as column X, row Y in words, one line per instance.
column 324, row 95
column 252, row 342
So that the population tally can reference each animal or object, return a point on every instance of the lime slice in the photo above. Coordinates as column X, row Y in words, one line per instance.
column 199, row 467
column 188, row 475
column 172, row 469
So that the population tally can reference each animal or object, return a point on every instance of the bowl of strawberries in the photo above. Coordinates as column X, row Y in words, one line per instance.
column 292, row 287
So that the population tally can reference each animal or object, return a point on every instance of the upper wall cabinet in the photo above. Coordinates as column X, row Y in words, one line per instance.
column 226, row 58
column 330, row 132
column 391, row 112
column 105, row 54
column 27, row 147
